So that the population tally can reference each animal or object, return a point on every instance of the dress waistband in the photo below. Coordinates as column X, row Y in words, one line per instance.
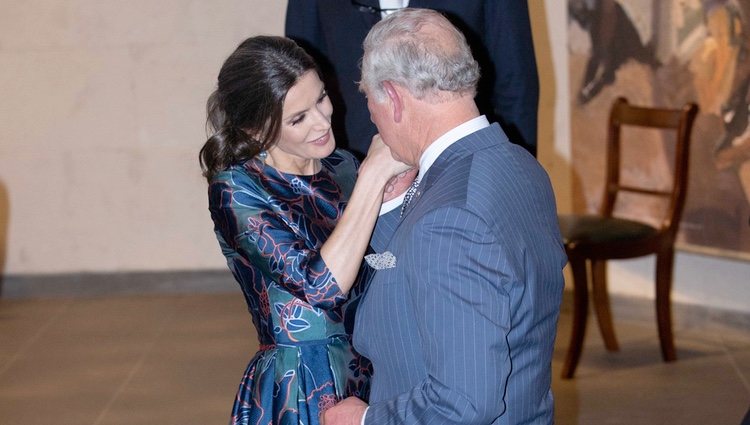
column 313, row 342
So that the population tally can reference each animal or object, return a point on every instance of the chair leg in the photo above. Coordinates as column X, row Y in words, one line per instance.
column 602, row 304
column 580, row 314
column 664, row 267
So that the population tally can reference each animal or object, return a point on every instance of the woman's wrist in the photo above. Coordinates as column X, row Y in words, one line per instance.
column 370, row 172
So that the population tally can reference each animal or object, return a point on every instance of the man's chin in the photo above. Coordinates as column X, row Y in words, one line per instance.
column 398, row 157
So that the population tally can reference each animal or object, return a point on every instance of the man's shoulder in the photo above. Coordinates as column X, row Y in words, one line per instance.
column 482, row 172
column 504, row 164
column 486, row 172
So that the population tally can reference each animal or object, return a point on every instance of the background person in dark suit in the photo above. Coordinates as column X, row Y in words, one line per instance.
column 499, row 33
column 460, row 318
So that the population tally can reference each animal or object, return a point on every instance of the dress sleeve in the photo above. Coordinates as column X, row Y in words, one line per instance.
column 248, row 222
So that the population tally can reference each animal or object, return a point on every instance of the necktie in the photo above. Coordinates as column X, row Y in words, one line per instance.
column 409, row 195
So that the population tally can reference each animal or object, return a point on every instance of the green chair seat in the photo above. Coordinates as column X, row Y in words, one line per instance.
column 594, row 229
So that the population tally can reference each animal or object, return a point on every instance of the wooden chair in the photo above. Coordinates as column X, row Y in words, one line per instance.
column 591, row 240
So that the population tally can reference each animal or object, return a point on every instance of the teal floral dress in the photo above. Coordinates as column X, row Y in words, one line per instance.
column 270, row 226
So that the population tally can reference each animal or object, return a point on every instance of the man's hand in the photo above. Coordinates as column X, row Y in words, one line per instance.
column 347, row 412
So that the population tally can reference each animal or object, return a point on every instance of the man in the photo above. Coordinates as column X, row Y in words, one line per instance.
column 460, row 319
column 499, row 32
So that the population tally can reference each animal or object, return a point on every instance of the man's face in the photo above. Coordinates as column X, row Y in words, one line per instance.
column 381, row 114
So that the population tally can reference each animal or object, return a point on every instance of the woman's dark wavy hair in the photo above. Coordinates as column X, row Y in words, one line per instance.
column 245, row 110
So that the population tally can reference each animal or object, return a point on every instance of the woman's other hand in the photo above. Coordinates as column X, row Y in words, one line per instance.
column 399, row 184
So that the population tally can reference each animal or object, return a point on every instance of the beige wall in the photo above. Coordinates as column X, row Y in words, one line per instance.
column 102, row 116
column 548, row 23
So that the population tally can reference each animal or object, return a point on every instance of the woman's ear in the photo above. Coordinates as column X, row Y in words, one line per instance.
column 395, row 99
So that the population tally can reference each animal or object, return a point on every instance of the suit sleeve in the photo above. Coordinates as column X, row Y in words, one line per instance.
column 461, row 306
column 250, row 227
column 510, row 44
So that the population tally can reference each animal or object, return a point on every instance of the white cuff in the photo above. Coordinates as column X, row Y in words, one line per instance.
column 392, row 204
column 363, row 416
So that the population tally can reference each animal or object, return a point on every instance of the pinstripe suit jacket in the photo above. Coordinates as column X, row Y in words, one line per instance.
column 461, row 330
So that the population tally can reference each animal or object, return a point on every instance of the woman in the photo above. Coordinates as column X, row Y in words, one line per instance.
column 277, row 188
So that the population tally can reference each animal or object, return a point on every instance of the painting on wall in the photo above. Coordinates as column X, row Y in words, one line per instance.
column 666, row 53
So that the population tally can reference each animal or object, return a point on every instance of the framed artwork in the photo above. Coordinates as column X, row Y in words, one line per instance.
column 666, row 53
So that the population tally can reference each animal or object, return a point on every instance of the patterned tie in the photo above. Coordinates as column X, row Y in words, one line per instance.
column 409, row 195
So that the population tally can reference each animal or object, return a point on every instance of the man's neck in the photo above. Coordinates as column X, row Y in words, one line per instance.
column 440, row 118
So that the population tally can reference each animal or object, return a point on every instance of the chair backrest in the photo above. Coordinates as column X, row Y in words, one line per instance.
column 680, row 121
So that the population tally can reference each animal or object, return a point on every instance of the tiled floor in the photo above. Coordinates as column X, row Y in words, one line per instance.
column 177, row 359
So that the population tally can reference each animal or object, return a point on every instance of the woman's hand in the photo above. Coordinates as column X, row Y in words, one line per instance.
column 346, row 246
column 379, row 157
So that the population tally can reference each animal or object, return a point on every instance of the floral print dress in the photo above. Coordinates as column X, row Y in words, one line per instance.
column 270, row 226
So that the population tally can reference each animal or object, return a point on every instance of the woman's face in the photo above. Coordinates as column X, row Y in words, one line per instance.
column 305, row 127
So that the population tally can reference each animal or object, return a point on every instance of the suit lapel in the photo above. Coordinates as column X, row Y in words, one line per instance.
column 464, row 147
column 438, row 168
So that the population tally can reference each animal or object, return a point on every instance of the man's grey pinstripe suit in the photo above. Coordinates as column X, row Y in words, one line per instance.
column 461, row 330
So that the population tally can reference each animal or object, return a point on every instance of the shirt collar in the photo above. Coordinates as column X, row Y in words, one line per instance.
column 431, row 154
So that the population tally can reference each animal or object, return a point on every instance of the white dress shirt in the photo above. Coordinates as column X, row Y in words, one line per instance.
column 431, row 154
column 392, row 4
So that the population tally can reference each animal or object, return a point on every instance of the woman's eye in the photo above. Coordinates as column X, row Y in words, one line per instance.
column 322, row 97
column 298, row 120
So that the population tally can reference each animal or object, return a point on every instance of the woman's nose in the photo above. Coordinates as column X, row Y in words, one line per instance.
column 322, row 117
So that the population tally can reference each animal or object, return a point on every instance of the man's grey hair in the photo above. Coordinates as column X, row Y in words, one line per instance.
column 400, row 50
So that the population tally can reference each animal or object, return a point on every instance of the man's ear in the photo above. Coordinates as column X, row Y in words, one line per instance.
column 395, row 98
